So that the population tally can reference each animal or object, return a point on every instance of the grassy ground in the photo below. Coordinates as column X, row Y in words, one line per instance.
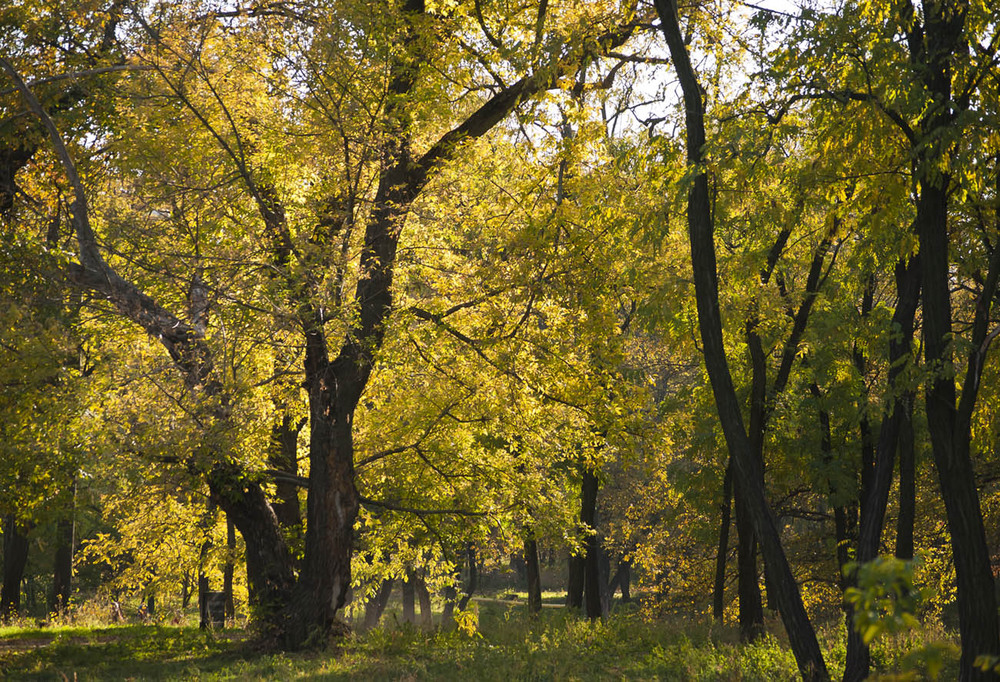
column 506, row 646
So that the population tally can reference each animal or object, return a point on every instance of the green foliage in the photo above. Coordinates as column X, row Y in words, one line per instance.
column 885, row 599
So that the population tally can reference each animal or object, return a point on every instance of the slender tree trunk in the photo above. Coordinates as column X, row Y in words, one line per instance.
column 448, row 610
column 577, row 566
column 62, row 580
column 721, row 554
column 424, row 599
column 375, row 607
column 186, row 590
column 950, row 432
column 15, row 558
column 907, row 483
column 593, row 599
column 534, row 574
column 229, row 569
column 625, row 580
column 908, row 285
column 801, row 635
column 473, row 583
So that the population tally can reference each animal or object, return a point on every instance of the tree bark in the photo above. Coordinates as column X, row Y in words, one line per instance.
column 15, row 558
column 534, row 574
column 721, row 554
column 409, row 600
column 375, row 607
column 229, row 569
column 283, row 457
column 908, row 285
column 801, row 635
column 907, row 482
column 473, row 583
column 424, row 599
column 62, row 579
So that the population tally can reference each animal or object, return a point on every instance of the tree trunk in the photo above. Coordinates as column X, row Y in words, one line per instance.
column 186, row 590
column 751, row 607
column 721, row 554
column 15, row 558
column 331, row 509
column 801, row 635
column 283, row 457
column 908, row 285
column 270, row 570
column 594, row 600
column 448, row 610
column 473, row 583
column 228, row 570
column 409, row 600
column 375, row 607
column 907, row 482
column 577, row 567
column 950, row 432
column 534, row 575
column 62, row 579
column 424, row 599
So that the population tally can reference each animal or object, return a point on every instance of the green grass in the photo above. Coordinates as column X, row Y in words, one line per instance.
column 508, row 646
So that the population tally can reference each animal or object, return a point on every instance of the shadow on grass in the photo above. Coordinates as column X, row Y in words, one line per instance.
column 138, row 651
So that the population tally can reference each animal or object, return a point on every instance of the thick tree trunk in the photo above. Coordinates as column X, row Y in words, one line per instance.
column 15, row 558
column 801, row 635
column 270, row 570
column 722, row 553
column 534, row 574
column 332, row 507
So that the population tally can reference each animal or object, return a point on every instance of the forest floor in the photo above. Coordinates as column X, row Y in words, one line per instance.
column 506, row 645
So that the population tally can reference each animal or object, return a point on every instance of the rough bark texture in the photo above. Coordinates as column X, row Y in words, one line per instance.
column 801, row 635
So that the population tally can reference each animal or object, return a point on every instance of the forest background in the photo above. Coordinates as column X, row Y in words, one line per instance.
column 307, row 298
